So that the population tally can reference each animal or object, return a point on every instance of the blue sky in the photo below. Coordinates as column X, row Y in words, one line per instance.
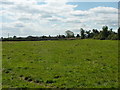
column 33, row 17
column 88, row 5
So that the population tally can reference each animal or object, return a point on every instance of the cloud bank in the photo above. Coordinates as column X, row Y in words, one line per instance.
column 48, row 17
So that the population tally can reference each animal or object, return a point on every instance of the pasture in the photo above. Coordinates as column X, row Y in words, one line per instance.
column 60, row 64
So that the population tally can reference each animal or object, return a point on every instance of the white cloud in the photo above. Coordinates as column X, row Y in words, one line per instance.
column 105, row 10
column 27, row 17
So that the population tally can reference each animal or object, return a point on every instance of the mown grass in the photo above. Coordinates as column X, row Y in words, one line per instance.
column 60, row 64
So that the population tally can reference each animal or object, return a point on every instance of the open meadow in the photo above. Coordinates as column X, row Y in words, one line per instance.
column 60, row 64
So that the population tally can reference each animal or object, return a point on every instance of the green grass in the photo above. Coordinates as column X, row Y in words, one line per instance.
column 60, row 64
column 0, row 65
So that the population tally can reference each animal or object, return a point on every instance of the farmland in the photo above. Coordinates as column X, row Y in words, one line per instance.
column 60, row 64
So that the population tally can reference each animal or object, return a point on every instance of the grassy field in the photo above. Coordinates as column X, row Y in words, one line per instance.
column 60, row 64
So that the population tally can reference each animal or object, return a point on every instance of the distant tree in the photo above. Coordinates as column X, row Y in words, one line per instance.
column 69, row 34
column 78, row 36
column 44, row 37
column 110, row 32
column 102, row 35
column 112, row 36
column 119, row 33
column 59, row 36
column 2, row 38
column 49, row 36
column 99, row 36
column 88, row 34
column 63, row 36
column 20, row 38
column 95, row 31
column 14, row 37
column 105, row 32
column 82, row 33
column 29, row 36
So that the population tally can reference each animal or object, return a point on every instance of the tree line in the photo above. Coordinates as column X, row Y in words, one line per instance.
column 104, row 34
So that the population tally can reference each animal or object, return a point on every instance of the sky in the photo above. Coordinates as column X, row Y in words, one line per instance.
column 53, row 17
